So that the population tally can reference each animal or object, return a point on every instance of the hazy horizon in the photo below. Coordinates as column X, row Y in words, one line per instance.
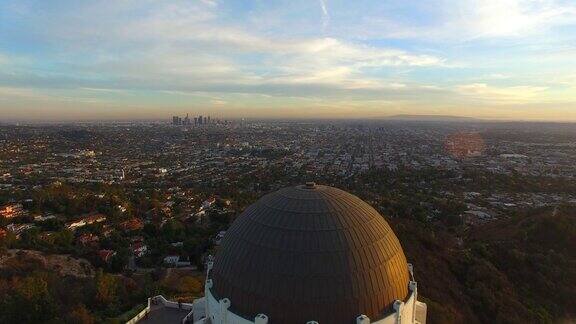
column 508, row 60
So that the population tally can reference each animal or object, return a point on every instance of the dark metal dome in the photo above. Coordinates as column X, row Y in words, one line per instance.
column 310, row 253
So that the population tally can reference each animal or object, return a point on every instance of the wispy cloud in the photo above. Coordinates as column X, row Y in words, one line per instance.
column 325, row 15
column 183, row 45
column 379, row 54
column 466, row 20
column 211, row 3
column 502, row 95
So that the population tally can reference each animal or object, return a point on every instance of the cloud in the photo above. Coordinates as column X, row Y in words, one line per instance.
column 184, row 46
column 7, row 93
column 502, row 95
column 215, row 53
column 210, row 3
column 325, row 15
column 465, row 20
column 218, row 102
column 19, row 95
column 511, row 18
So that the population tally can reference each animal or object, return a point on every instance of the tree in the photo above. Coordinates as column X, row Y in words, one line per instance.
column 80, row 315
column 189, row 284
column 31, row 302
column 119, row 261
column 106, row 287
column 64, row 238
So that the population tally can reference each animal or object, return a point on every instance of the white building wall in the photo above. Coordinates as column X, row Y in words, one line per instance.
column 218, row 311
column 405, row 311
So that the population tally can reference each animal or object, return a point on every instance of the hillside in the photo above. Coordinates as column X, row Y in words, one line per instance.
column 36, row 287
column 518, row 270
column 29, row 260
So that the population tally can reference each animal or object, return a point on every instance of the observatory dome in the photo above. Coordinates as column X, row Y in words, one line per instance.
column 310, row 253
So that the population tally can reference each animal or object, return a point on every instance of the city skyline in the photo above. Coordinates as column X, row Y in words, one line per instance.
column 498, row 60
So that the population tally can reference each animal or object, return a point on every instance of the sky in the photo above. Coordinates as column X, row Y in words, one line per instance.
column 151, row 59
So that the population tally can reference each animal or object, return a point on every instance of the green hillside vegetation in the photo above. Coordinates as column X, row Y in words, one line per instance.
column 32, row 290
column 517, row 270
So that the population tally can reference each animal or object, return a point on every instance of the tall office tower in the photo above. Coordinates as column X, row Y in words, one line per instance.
column 195, row 120
column 200, row 120
column 205, row 120
column 175, row 120
column 208, row 119
column 187, row 120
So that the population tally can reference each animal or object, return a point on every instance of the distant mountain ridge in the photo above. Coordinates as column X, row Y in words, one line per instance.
column 432, row 118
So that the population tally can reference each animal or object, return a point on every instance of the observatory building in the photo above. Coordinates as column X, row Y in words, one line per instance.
column 310, row 254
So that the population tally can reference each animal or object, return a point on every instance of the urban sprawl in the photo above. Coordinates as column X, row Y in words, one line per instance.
column 110, row 187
